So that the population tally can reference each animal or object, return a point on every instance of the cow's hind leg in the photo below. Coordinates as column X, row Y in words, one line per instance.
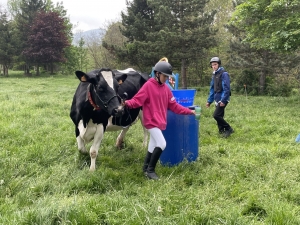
column 96, row 145
column 146, row 132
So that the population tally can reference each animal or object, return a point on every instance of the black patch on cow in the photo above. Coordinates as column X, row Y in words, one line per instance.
column 132, row 82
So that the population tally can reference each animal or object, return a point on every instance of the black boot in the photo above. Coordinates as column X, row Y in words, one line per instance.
column 152, row 164
column 146, row 162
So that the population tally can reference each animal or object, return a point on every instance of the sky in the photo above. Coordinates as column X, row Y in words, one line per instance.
column 90, row 14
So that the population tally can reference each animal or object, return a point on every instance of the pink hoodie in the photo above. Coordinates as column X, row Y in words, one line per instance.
column 156, row 99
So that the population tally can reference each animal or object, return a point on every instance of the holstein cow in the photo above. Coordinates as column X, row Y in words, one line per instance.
column 96, row 106
column 95, row 100
column 130, row 82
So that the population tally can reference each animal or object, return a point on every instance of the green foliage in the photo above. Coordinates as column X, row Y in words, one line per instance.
column 250, row 178
column 267, row 65
column 8, row 40
column 76, row 58
column 279, row 87
column 107, row 58
column 175, row 29
column 272, row 25
column 246, row 82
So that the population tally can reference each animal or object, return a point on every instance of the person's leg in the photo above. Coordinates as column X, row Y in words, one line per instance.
column 151, row 146
column 160, row 141
column 219, row 117
column 146, row 162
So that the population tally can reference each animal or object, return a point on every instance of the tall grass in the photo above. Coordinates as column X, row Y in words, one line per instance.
column 251, row 177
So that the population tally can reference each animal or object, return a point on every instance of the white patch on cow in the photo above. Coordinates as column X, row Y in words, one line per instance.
column 87, row 133
column 109, row 78
column 126, row 71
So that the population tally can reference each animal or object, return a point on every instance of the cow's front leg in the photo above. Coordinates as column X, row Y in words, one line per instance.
column 120, row 138
column 81, row 145
column 96, row 145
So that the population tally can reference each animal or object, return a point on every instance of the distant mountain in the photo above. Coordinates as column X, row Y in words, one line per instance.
column 88, row 35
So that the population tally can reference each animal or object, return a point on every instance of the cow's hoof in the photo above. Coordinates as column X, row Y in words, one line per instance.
column 92, row 168
column 83, row 151
column 120, row 145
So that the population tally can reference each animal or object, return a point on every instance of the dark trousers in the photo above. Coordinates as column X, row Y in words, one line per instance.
column 219, row 117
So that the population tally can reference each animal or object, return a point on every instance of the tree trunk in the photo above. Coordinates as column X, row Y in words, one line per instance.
column 27, row 69
column 5, row 70
column 51, row 68
column 183, row 74
column 262, row 82
column 37, row 70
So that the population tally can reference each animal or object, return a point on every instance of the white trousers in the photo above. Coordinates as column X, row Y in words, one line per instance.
column 157, row 139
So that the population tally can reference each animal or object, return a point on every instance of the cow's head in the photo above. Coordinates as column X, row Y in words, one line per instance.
column 103, row 90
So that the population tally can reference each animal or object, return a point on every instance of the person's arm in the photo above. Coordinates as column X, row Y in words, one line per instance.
column 226, row 88
column 138, row 99
column 210, row 98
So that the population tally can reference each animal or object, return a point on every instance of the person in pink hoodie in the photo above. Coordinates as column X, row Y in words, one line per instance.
column 156, row 98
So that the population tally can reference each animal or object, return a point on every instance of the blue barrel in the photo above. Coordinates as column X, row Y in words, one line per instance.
column 182, row 139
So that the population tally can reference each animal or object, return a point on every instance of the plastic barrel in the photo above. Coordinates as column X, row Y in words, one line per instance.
column 184, row 97
column 182, row 135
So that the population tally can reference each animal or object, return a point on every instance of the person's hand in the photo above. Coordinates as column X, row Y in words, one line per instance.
column 193, row 112
column 123, row 103
column 207, row 104
column 222, row 104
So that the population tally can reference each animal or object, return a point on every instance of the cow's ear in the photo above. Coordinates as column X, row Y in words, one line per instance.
column 121, row 78
column 81, row 76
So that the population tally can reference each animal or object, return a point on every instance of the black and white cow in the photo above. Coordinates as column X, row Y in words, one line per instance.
column 96, row 107
column 130, row 82
column 95, row 100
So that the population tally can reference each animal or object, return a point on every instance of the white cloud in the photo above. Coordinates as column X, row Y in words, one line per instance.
column 90, row 14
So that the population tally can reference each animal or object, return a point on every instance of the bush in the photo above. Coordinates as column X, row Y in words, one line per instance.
column 279, row 88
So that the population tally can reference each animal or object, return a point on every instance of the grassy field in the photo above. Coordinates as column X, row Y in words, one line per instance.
column 252, row 177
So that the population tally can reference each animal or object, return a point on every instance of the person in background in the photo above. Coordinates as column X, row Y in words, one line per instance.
column 156, row 98
column 220, row 93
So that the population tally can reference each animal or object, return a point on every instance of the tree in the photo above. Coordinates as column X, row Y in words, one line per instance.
column 187, row 33
column 173, row 28
column 47, row 40
column 113, row 36
column 77, row 58
column 258, row 67
column 82, row 55
column 136, row 24
column 272, row 25
column 95, row 49
column 24, row 12
column 8, row 41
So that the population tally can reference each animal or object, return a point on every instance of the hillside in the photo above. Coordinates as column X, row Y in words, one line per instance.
column 86, row 35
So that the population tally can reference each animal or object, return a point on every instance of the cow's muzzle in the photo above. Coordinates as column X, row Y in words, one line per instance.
column 119, row 111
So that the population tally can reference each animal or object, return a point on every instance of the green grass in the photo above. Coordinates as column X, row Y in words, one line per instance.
column 251, row 177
